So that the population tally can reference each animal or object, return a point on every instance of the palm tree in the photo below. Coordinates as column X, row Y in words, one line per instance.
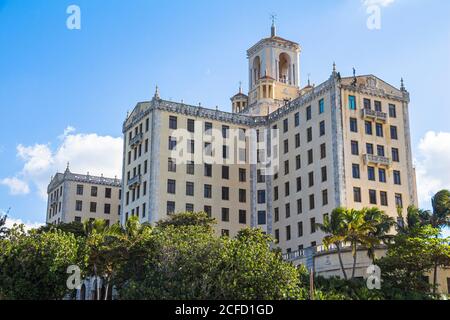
column 382, row 224
column 358, row 231
column 334, row 227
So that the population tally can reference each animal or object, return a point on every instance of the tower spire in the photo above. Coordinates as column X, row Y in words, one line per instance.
column 156, row 96
column 273, row 32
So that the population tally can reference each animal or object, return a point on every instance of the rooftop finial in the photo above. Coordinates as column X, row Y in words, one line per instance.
column 240, row 86
column 157, row 93
column 68, row 167
column 402, row 85
column 334, row 67
column 309, row 80
column 274, row 28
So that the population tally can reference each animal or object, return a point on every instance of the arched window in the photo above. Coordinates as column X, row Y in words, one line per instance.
column 256, row 69
column 283, row 67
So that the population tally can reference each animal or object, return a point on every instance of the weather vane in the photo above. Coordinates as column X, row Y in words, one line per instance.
column 273, row 16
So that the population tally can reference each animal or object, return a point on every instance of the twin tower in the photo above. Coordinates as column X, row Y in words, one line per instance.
column 274, row 76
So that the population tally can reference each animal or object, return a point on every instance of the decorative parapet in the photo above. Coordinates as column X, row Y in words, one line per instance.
column 69, row 176
column 379, row 160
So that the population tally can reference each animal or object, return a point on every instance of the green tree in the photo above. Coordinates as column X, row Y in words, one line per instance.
column 381, row 232
column 33, row 265
column 3, row 229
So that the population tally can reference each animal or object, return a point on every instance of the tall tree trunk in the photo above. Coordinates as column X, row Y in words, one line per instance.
column 355, row 253
column 338, row 245
column 106, row 290
column 435, row 277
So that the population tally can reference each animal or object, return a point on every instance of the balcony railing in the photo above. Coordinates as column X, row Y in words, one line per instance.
column 134, row 182
column 379, row 160
column 136, row 140
column 372, row 114
column 295, row 255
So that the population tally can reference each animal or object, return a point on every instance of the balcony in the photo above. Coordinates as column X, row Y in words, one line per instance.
column 134, row 182
column 378, row 160
column 136, row 140
column 374, row 115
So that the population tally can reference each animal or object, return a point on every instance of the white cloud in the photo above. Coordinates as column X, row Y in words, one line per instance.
column 16, row 186
column 28, row 225
column 383, row 3
column 432, row 166
column 85, row 152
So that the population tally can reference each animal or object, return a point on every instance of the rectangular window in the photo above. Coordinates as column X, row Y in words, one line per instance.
column 208, row 128
column 225, row 214
column 277, row 235
column 285, row 125
column 382, row 175
column 261, row 196
column 190, row 189
column 93, row 207
column 392, row 111
column 171, row 186
column 312, row 204
column 225, row 233
column 321, row 106
column 308, row 113
column 380, row 150
column 78, row 219
column 324, row 197
column 191, row 125
column 208, row 170
column 190, row 146
column 207, row 192
column 309, row 134
column 353, row 125
column 371, row 173
column 242, row 175
column 189, row 207
column 355, row 148
column 299, row 206
column 225, row 193
column 208, row 210
column 368, row 126
column 80, row 189
column 226, row 172
column 356, row 171
column 299, row 184
column 298, row 162
column 242, row 217
column 275, row 193
column 170, row 207
column 287, row 208
column 79, row 205
column 395, row 155
column 369, row 148
column 171, row 165
column 310, row 156
column 242, row 195
column 397, row 178
column 286, row 189
column 286, row 146
column 352, row 102
column 383, row 198
column 107, row 208
column 297, row 119
column 311, row 179
column 297, row 140
column 190, row 167
column 378, row 106
column 225, row 132
column 394, row 134
column 322, row 128
column 398, row 200
column 173, row 122
column 357, row 194
column 367, row 104
column 313, row 225
column 261, row 217
column 276, row 214
column 225, row 152
column 323, row 151
column 379, row 128
column 300, row 229
column 94, row 191
column 172, row 143
column 324, row 174
column 286, row 167
column 372, row 197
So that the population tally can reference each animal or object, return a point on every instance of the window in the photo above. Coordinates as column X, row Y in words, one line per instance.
column 392, row 111
column 108, row 193
column 371, row 173
column 288, row 233
column 242, row 133
column 190, row 125
column 93, row 207
column 225, row 214
column 208, row 210
column 395, row 155
column 275, row 193
column 225, row 152
column 190, row 168
column 313, row 225
column 261, row 217
column 383, row 198
column 310, row 156
column 189, row 207
column 286, row 189
column 378, row 106
column 397, row 178
column 107, row 208
column 285, row 125
column 242, row 195
column 173, row 122
column 277, row 235
column 297, row 119
column 171, row 186
column 208, row 170
column 368, row 126
column 225, row 172
column 299, row 184
column 355, row 148
column 356, row 171
column 172, row 143
column 225, row 233
column 369, row 148
column 353, row 125
column 207, row 192
column 311, row 179
column 208, row 128
column 286, row 146
column 298, row 162
column 321, row 106
column 382, row 175
column 394, row 134
column 208, row 149
column 380, row 151
column 225, row 132
column 357, row 194
column 297, row 140
column 287, row 208
column 367, row 104
column 276, row 214
column 225, row 193
column 322, row 128
column 171, row 165
column 308, row 113
column 94, row 191
column 372, row 197
column 300, row 229
column 242, row 217
column 311, row 202
column 147, row 125
column 242, row 175
column 145, row 166
column 260, row 178
column 261, row 196
column 324, row 174
column 379, row 129
column 79, row 205
column 324, row 197
column 286, row 167
column 78, row 219
column 352, row 102
column 190, row 189
column 309, row 134
column 80, row 189
column 323, row 151
column 190, row 146
column 398, row 200
column 170, row 207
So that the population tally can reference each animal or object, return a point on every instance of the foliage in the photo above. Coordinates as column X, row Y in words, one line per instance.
column 33, row 265
column 3, row 229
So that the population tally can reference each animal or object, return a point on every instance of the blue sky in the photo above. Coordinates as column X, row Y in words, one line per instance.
column 53, row 78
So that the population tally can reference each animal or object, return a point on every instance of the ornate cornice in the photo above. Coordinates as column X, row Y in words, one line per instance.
column 69, row 176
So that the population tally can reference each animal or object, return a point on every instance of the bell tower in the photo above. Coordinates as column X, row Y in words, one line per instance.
column 274, row 76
